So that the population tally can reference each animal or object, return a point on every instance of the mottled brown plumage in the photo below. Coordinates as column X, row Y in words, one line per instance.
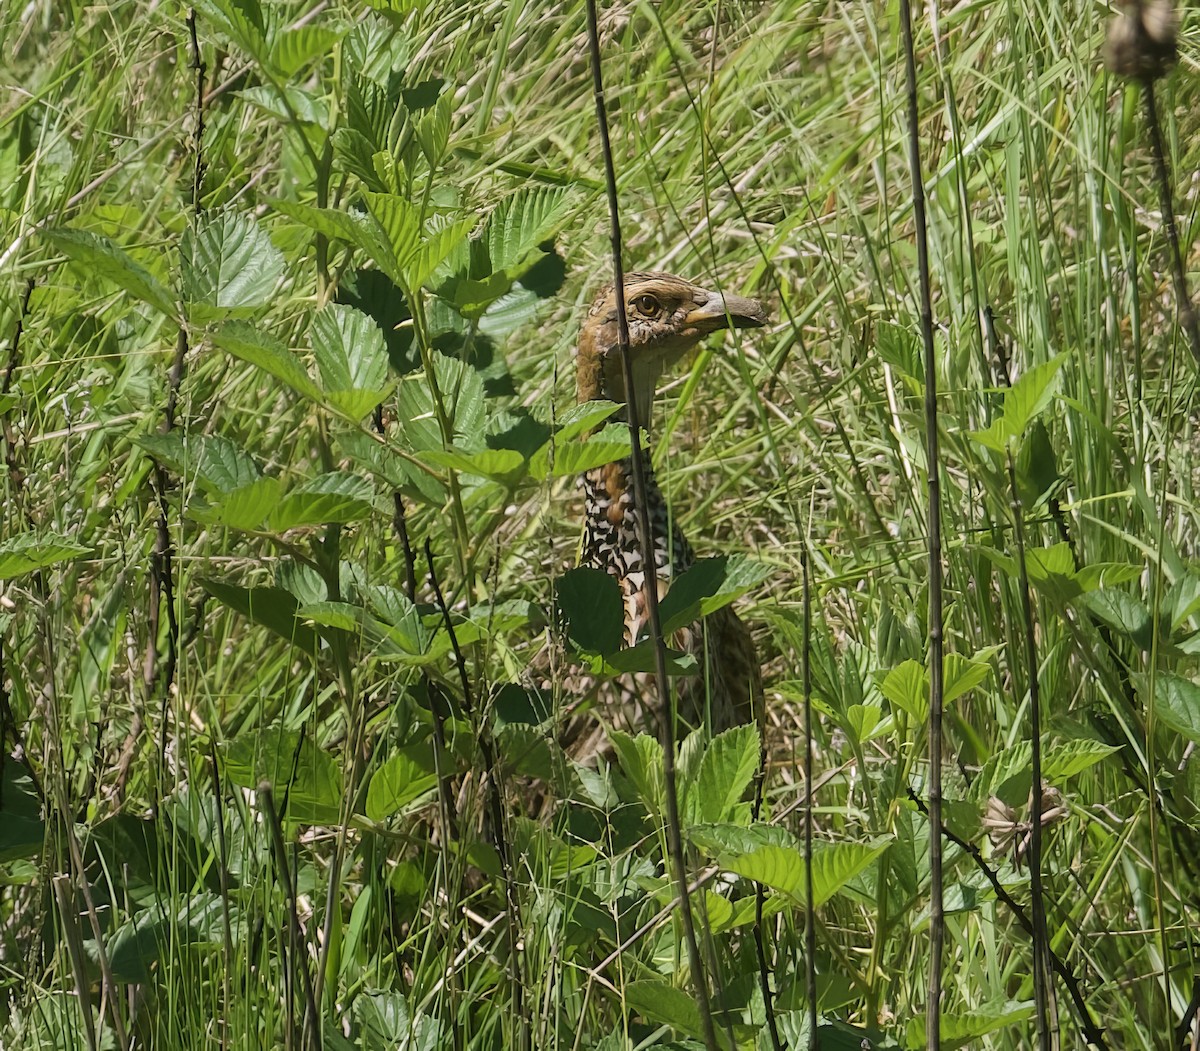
column 667, row 317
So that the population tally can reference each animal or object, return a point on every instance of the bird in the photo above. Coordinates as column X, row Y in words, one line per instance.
column 667, row 317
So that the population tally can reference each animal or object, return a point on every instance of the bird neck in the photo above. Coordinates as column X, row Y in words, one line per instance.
column 611, row 540
column 600, row 375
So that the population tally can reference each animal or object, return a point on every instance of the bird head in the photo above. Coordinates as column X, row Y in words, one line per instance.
column 667, row 317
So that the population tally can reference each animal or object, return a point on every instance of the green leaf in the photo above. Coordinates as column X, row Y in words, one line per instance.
column 395, row 784
column 434, row 250
column 1032, row 392
column 293, row 48
column 228, row 263
column 273, row 608
column 729, row 764
column 239, row 20
column 362, row 231
column 344, row 616
column 783, row 869
column 965, row 1029
column 500, row 465
column 213, row 462
column 1009, row 772
column 245, row 508
column 660, row 1002
column 352, row 359
column 593, row 615
column 29, row 551
column 337, row 497
column 641, row 761
column 101, row 257
column 707, row 586
column 907, row 688
column 291, row 764
column 521, row 223
column 267, row 353
column 561, row 458
column 22, row 830
column 961, row 675
column 462, row 394
column 1122, row 612
column 1177, row 704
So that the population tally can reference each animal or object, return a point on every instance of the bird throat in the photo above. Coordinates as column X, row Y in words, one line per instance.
column 611, row 536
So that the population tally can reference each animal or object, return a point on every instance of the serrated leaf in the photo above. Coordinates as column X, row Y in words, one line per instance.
column 641, row 761
column 344, row 616
column 783, row 869
column 521, row 223
column 294, row 767
column 1009, row 772
column 593, row 615
column 212, row 461
column 501, row 465
column 1122, row 612
column 662, row 1003
column 264, row 351
column 104, row 258
column 293, row 48
column 726, row 770
column 1177, row 704
column 395, row 784
column 1032, row 392
column 273, row 608
column 961, row 675
column 336, row 497
column 462, row 394
column 245, row 508
column 907, row 688
column 964, row 1029
column 228, row 263
column 562, row 459
column 289, row 104
column 29, row 551
column 362, row 231
column 352, row 359
column 424, row 262
column 240, row 20
column 707, row 586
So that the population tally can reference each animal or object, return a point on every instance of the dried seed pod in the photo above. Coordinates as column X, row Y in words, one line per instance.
column 1142, row 39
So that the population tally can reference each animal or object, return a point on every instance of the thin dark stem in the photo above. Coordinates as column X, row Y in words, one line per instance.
column 667, row 723
column 810, row 919
column 198, row 134
column 1183, row 301
column 283, row 874
column 1090, row 1030
column 512, row 905
column 1041, row 940
column 937, row 929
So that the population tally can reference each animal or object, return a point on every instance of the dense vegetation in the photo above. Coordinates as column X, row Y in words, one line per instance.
column 290, row 446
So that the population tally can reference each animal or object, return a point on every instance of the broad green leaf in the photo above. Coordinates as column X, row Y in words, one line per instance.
column 342, row 615
column 707, row 586
column 434, row 249
column 213, row 462
column 337, row 497
column 433, row 129
column 563, row 458
column 1008, row 773
column 1123, row 612
column 726, row 770
column 228, row 263
column 1032, row 392
column 1177, row 703
column 362, row 231
column 294, row 766
column 293, row 48
column 961, row 675
column 579, row 419
column 783, row 869
column 267, row 353
column 239, row 20
column 501, row 465
column 400, row 221
column 965, row 1029
column 461, row 389
column 641, row 761
column 1183, row 598
column 997, row 435
column 662, row 1003
column 22, row 830
column 907, row 687
column 104, row 258
column 589, row 602
column 352, row 359
column 29, row 551
column 245, row 508
column 290, row 105
column 395, row 784
column 273, row 608
column 521, row 223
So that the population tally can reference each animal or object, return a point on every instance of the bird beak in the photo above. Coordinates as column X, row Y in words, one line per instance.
column 725, row 311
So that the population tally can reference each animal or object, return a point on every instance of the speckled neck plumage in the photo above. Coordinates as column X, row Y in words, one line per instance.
column 611, row 535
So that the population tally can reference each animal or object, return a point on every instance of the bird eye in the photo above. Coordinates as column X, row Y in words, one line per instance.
column 647, row 305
